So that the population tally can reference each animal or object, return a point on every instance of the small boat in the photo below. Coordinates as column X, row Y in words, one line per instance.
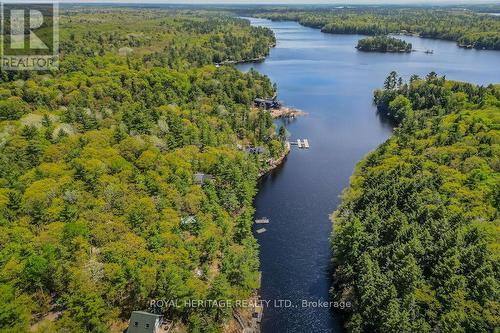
column 261, row 230
column 429, row 51
column 263, row 220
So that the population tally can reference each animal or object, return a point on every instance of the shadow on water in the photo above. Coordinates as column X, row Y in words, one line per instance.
column 386, row 120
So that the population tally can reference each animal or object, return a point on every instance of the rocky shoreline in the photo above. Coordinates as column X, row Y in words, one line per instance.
column 274, row 163
column 286, row 112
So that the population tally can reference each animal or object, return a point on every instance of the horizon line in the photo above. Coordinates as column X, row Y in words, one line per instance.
column 285, row 2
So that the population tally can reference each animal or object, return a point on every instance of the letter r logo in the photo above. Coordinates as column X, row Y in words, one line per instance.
column 17, row 29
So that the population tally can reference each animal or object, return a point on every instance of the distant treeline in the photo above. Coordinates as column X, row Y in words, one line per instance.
column 415, row 240
column 172, row 38
column 467, row 28
column 383, row 44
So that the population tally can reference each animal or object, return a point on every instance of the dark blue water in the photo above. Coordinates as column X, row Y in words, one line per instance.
column 324, row 75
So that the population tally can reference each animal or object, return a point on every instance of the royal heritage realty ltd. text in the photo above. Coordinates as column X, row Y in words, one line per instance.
column 247, row 303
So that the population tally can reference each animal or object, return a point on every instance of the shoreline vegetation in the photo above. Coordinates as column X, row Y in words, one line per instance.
column 121, row 176
column 468, row 29
column 384, row 44
column 242, row 61
column 274, row 163
column 415, row 239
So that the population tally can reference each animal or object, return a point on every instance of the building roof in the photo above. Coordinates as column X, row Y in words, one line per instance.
column 201, row 178
column 198, row 177
column 143, row 322
column 255, row 150
column 188, row 220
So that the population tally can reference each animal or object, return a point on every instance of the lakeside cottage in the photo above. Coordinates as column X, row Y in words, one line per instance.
column 267, row 103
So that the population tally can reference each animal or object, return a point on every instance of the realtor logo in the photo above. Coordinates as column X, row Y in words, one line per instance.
column 30, row 36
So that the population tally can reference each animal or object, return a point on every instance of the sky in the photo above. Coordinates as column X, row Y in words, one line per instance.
column 340, row 2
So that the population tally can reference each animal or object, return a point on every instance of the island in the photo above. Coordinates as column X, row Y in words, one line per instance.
column 383, row 44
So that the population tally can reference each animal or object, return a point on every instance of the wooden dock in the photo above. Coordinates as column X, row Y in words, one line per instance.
column 302, row 144
column 263, row 220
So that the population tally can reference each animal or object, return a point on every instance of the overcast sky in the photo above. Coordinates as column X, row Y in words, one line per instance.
column 297, row 2
column 343, row 2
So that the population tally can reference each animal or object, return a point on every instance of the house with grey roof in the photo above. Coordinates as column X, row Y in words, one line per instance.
column 145, row 322
column 201, row 178
column 188, row 220
column 256, row 150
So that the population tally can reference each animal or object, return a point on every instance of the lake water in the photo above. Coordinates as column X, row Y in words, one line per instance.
column 324, row 75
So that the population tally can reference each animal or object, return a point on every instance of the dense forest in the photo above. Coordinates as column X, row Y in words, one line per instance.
column 467, row 28
column 383, row 44
column 100, row 209
column 415, row 240
column 177, row 39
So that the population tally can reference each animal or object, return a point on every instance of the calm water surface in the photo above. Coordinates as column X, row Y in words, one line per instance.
column 324, row 75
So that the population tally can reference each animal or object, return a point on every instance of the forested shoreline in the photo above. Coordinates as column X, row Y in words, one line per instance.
column 383, row 44
column 415, row 238
column 102, row 206
column 467, row 28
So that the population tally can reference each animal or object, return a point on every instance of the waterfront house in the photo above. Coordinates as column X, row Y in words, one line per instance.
column 267, row 103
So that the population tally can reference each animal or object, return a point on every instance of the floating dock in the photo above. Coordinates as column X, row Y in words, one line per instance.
column 306, row 143
column 263, row 220
column 261, row 230
column 302, row 144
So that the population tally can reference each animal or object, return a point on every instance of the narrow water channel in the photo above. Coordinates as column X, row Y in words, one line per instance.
column 324, row 75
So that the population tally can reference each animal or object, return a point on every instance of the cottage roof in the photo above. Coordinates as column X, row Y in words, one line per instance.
column 143, row 322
